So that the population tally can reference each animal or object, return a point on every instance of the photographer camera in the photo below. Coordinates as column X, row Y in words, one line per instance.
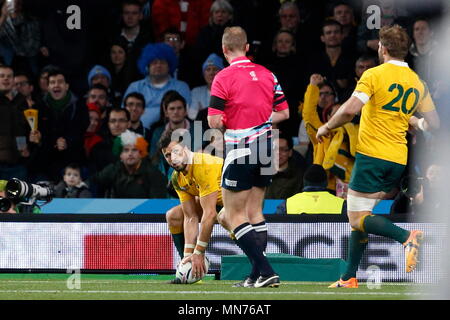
column 18, row 196
column 6, row 205
column 419, row 194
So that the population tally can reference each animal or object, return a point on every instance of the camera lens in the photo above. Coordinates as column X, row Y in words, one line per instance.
column 5, row 204
column 16, row 189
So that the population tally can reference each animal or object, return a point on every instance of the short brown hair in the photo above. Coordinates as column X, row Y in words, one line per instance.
column 396, row 41
column 234, row 38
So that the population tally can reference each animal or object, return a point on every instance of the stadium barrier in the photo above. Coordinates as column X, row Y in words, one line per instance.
column 146, row 206
column 141, row 243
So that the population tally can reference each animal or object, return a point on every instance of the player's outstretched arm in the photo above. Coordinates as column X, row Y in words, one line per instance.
column 209, row 218
column 343, row 115
column 190, row 224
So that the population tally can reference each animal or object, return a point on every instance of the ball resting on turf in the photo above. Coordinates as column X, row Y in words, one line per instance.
column 184, row 272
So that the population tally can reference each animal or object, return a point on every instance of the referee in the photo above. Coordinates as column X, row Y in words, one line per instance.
column 246, row 100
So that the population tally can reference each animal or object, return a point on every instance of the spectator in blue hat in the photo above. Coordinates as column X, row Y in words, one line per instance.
column 99, row 92
column 201, row 95
column 99, row 75
column 157, row 63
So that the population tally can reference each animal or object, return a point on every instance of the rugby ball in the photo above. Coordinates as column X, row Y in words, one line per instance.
column 184, row 272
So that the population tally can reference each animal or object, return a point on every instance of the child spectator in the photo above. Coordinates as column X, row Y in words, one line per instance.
column 72, row 186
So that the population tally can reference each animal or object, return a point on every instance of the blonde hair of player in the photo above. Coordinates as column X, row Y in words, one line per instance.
column 395, row 40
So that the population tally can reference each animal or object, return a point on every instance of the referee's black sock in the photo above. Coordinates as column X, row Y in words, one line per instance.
column 261, row 234
column 247, row 240
column 261, row 237
column 254, row 273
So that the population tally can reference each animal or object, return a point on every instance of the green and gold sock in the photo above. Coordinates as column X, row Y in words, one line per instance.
column 381, row 226
column 357, row 244
column 178, row 239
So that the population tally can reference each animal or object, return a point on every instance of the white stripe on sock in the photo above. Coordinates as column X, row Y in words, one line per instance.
column 260, row 228
column 243, row 231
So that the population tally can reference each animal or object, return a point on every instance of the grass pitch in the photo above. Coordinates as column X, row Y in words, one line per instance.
column 155, row 287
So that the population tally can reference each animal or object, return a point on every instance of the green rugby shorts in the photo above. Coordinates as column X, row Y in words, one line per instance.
column 372, row 175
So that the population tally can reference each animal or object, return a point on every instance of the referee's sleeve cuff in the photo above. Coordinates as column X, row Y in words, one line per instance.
column 361, row 96
column 213, row 111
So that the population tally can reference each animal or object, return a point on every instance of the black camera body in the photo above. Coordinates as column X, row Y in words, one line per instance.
column 17, row 189
column 21, row 192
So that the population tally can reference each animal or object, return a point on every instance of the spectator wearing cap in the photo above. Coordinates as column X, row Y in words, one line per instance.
column 315, row 199
column 157, row 63
column 99, row 91
column 99, row 75
column 133, row 176
column 201, row 95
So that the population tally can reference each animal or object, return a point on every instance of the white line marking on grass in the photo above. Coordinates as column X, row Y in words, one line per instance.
column 225, row 282
column 213, row 292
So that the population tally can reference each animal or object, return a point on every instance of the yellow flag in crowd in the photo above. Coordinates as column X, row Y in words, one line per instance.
column 32, row 118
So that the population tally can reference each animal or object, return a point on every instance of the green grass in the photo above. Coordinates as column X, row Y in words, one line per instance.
column 148, row 287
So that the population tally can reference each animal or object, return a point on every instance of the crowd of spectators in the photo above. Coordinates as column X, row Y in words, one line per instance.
column 146, row 66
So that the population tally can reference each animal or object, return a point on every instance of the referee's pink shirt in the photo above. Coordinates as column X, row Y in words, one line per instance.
column 251, row 93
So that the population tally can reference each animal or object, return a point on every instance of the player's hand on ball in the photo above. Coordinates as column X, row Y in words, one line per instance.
column 198, row 265
column 186, row 259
